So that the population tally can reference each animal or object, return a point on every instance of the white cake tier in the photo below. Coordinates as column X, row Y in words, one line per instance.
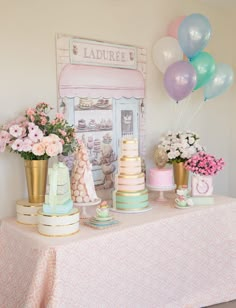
column 27, row 219
column 129, row 147
column 134, row 182
column 58, row 231
column 129, row 165
column 27, row 212
column 58, row 224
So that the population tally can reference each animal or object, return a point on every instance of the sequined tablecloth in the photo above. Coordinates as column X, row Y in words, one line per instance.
column 166, row 257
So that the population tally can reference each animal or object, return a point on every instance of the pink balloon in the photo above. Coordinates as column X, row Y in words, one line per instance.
column 173, row 27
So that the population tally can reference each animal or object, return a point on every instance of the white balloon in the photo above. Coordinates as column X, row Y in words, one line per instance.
column 165, row 52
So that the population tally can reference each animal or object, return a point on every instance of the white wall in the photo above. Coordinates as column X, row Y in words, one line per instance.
column 28, row 70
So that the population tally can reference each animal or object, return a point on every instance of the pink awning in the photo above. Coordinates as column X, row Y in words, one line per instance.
column 97, row 81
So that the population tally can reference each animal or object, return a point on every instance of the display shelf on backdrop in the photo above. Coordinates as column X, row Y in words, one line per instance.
column 84, row 206
column 161, row 197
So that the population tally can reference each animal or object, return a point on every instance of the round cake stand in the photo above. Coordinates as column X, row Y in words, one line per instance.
column 161, row 197
column 84, row 207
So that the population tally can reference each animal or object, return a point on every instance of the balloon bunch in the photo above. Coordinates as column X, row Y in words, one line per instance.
column 189, row 35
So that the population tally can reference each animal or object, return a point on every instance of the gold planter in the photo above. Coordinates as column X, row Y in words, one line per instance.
column 180, row 175
column 36, row 177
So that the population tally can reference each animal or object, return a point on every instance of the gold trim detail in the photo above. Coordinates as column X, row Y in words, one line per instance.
column 27, row 214
column 26, row 203
column 128, row 158
column 24, row 223
column 137, row 209
column 60, row 235
column 132, row 176
column 59, row 225
column 125, row 193
column 129, row 202
column 130, row 141
column 40, row 213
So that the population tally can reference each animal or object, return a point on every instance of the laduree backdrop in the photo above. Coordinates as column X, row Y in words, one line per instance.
column 28, row 71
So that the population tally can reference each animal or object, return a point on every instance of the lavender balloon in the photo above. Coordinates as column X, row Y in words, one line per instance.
column 179, row 80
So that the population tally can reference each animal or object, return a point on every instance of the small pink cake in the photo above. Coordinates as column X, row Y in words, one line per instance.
column 161, row 177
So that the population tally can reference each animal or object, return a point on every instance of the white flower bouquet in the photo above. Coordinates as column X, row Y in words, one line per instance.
column 180, row 146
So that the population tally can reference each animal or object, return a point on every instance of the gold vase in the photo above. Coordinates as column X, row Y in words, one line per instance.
column 36, row 177
column 180, row 175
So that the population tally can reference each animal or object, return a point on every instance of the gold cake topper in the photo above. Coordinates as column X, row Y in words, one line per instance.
column 160, row 156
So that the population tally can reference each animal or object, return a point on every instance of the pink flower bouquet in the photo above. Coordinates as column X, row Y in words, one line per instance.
column 204, row 164
column 36, row 137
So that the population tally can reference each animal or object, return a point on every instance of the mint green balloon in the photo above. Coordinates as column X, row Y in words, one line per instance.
column 205, row 67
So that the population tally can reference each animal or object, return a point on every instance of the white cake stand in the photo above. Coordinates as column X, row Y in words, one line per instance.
column 84, row 207
column 146, row 209
column 161, row 190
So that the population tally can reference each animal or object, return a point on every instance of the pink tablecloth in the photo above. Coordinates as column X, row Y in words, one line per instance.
column 162, row 258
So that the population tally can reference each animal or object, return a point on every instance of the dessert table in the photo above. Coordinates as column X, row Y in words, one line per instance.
column 165, row 257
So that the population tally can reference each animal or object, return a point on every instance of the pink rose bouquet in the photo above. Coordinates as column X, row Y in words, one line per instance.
column 204, row 164
column 34, row 136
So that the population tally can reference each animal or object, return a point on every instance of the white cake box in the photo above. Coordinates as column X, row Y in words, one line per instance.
column 27, row 212
column 58, row 224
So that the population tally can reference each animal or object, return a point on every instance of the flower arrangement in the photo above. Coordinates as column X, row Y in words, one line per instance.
column 180, row 146
column 204, row 164
column 35, row 137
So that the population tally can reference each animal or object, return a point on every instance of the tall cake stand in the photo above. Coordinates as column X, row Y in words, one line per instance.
column 84, row 207
column 161, row 197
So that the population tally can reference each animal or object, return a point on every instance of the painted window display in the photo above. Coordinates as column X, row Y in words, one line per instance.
column 101, row 92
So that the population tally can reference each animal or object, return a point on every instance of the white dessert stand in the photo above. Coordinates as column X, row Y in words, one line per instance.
column 84, row 207
column 161, row 190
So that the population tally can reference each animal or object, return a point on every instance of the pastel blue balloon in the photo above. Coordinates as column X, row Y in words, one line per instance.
column 193, row 34
column 220, row 82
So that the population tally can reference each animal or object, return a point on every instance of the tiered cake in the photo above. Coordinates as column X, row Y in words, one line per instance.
column 58, row 217
column 130, row 192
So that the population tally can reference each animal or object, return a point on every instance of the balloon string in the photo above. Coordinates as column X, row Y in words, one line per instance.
column 195, row 113
column 183, row 109
column 174, row 111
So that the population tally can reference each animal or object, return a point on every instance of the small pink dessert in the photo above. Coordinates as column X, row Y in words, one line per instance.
column 161, row 177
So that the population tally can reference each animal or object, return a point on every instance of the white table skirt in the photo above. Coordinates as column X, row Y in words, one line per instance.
column 162, row 258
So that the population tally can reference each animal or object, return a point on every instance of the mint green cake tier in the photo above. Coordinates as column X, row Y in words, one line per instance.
column 131, row 200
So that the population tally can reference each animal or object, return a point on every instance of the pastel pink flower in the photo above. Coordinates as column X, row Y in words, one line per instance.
column 60, row 116
column 36, row 135
column 54, row 138
column 15, row 130
column 52, row 150
column 17, row 145
column 43, row 120
column 4, row 136
column 27, row 145
column 62, row 132
column 30, row 111
column 38, row 149
column 2, row 146
column 32, row 126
